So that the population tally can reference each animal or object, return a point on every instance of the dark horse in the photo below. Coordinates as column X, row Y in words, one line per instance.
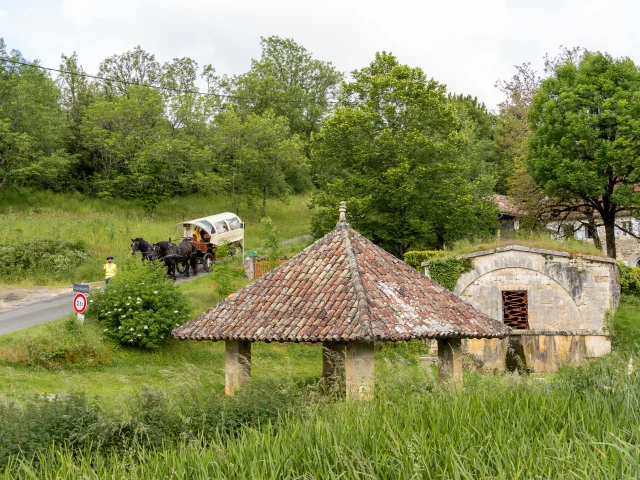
column 148, row 250
column 184, row 252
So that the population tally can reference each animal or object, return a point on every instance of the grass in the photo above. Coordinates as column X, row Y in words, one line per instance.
column 107, row 226
column 528, row 239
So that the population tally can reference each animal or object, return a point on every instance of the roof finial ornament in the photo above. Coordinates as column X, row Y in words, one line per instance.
column 343, row 213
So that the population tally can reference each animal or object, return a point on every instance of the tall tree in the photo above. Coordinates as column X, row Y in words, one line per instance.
column 394, row 150
column 135, row 67
column 585, row 148
column 290, row 82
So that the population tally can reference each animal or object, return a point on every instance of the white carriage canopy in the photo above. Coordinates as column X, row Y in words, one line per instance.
column 214, row 224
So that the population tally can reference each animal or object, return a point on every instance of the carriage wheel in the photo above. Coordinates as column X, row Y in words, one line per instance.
column 207, row 262
column 181, row 267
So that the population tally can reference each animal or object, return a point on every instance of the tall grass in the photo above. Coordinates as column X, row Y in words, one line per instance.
column 107, row 226
column 585, row 426
column 541, row 240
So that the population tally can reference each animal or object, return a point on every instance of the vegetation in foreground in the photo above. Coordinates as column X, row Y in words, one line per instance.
column 163, row 414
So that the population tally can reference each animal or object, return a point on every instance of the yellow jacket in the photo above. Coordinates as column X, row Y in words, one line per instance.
column 110, row 270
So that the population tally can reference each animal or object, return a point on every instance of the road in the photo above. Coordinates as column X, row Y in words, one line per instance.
column 45, row 311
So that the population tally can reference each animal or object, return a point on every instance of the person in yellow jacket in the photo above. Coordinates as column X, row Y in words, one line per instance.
column 110, row 269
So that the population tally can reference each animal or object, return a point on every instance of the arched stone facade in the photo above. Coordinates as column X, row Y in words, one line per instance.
column 569, row 299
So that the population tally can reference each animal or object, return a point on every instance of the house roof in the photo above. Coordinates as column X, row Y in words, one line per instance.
column 341, row 288
column 505, row 205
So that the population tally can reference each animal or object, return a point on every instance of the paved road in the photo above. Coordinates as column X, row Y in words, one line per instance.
column 45, row 311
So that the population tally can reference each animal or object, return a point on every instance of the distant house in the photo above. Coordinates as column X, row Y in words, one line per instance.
column 576, row 226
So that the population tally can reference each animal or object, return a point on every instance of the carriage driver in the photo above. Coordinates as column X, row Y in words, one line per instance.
column 110, row 270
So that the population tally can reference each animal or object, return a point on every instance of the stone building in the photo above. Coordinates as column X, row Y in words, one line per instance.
column 556, row 304
column 346, row 293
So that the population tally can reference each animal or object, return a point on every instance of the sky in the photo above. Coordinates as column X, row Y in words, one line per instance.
column 466, row 44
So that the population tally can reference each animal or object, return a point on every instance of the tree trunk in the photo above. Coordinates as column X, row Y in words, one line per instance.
column 594, row 229
column 264, row 200
column 610, row 234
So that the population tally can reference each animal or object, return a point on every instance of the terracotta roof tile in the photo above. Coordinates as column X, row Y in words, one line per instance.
column 343, row 287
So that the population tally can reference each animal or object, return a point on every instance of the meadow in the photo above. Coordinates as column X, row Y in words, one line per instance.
column 105, row 226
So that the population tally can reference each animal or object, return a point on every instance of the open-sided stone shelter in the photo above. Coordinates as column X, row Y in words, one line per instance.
column 347, row 293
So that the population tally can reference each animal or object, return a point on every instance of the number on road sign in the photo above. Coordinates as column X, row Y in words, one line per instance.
column 80, row 303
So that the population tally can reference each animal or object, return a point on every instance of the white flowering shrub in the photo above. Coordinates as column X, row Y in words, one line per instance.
column 139, row 307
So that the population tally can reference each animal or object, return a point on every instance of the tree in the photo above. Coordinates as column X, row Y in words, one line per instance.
column 32, row 126
column 135, row 67
column 584, row 147
column 394, row 151
column 290, row 82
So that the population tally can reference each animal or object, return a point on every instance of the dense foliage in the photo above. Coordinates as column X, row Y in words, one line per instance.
column 444, row 267
column 629, row 280
column 396, row 151
column 49, row 259
column 139, row 307
column 583, row 147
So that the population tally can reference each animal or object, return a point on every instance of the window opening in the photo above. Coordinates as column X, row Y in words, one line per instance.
column 515, row 309
column 588, row 231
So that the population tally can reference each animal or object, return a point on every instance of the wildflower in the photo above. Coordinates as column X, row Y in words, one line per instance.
column 146, row 327
column 105, row 330
column 128, row 298
column 108, row 313
column 120, row 327
column 177, row 324
column 141, row 283
column 90, row 301
column 175, row 311
column 128, row 304
column 132, row 329
column 122, row 316
column 155, row 292
column 139, row 335
column 138, row 299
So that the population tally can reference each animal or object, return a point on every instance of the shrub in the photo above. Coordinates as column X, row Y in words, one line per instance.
column 139, row 307
column 629, row 279
column 416, row 257
column 444, row 268
column 54, row 258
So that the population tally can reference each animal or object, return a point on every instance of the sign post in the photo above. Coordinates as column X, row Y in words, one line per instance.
column 80, row 305
column 81, row 287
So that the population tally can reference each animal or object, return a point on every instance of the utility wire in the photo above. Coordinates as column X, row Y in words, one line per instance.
column 157, row 87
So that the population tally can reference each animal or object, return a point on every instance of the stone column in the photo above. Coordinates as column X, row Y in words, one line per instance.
column 359, row 371
column 237, row 365
column 333, row 371
column 250, row 268
column 450, row 360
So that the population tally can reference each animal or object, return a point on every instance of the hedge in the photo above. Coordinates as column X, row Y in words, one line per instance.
column 444, row 268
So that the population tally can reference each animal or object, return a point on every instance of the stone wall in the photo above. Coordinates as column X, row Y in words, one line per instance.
column 569, row 297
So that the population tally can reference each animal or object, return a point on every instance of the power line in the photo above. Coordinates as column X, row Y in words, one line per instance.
column 157, row 87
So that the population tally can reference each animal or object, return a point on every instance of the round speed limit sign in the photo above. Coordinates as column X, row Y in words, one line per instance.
column 80, row 303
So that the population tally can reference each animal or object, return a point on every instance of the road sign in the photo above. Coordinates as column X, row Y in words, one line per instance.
column 80, row 303
column 81, row 287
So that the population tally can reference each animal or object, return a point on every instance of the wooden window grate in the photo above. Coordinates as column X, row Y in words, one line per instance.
column 515, row 309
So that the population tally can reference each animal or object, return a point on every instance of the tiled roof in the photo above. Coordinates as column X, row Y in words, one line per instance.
column 341, row 288
column 506, row 205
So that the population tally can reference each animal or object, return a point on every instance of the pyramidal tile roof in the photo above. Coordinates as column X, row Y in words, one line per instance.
column 342, row 288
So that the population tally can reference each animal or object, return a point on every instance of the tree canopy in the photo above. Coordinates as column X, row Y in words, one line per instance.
column 394, row 150
column 585, row 143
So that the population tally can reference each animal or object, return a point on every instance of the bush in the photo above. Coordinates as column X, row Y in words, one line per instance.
column 629, row 280
column 139, row 307
column 30, row 258
column 416, row 257
column 444, row 268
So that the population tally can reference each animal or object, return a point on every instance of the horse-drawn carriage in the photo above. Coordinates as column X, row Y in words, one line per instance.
column 209, row 233
column 200, row 240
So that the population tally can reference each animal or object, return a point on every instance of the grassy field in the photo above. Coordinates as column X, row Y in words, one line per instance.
column 106, row 226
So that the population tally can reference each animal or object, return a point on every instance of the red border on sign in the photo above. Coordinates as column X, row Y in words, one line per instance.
column 85, row 302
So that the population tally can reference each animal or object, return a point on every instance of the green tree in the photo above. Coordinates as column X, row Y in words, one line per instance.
column 32, row 125
column 584, row 147
column 135, row 67
column 290, row 82
column 394, row 151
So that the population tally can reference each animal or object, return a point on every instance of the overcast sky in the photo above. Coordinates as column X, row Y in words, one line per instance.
column 466, row 44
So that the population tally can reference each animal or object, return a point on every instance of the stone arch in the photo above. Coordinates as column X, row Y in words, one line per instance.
column 552, row 306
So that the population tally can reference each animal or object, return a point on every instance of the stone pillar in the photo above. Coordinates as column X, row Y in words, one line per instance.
column 237, row 370
column 359, row 371
column 450, row 360
column 250, row 268
column 333, row 372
